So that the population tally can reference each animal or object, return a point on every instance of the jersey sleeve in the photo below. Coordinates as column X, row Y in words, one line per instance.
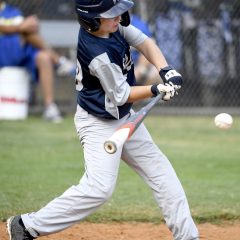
column 111, row 78
column 133, row 35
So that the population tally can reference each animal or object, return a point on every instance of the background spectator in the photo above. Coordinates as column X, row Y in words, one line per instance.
column 144, row 71
column 22, row 46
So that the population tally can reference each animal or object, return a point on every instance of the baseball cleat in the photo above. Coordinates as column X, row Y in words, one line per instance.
column 16, row 229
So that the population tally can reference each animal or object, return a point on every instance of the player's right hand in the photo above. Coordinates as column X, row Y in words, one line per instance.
column 162, row 88
column 168, row 90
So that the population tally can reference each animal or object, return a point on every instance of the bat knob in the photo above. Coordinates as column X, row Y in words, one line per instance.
column 110, row 147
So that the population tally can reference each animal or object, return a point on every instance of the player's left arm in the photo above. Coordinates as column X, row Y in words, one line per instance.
column 154, row 55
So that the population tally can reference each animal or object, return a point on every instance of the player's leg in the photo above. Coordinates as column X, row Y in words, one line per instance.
column 94, row 188
column 157, row 172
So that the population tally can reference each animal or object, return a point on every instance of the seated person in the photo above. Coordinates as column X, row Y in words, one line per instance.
column 22, row 46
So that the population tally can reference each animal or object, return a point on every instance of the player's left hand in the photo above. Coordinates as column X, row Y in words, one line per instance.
column 171, row 77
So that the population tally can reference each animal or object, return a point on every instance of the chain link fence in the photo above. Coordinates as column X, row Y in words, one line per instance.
column 201, row 39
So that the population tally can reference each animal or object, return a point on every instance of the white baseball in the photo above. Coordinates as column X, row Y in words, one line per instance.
column 223, row 120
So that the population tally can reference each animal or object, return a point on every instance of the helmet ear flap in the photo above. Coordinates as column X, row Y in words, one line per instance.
column 125, row 21
column 91, row 25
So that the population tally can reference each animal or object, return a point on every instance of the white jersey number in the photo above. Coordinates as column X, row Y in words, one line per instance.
column 79, row 77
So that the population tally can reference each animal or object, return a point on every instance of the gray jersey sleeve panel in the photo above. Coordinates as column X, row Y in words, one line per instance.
column 113, row 81
column 133, row 35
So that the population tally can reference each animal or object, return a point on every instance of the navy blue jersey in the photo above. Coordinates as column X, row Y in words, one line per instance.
column 106, row 72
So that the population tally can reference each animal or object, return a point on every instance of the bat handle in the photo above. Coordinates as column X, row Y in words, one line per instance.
column 110, row 147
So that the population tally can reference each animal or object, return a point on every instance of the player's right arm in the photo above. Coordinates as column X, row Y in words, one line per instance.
column 119, row 91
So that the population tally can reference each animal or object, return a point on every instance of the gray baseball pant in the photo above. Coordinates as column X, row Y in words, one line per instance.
column 98, row 182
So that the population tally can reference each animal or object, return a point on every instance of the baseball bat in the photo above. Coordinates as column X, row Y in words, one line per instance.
column 126, row 130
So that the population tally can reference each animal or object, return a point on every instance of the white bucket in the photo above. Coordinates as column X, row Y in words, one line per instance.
column 14, row 93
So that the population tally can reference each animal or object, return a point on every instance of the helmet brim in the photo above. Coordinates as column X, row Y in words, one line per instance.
column 121, row 7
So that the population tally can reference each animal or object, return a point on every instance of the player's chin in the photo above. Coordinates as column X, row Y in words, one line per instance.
column 115, row 28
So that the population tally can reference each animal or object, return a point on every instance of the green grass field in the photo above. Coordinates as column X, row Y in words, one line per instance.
column 39, row 160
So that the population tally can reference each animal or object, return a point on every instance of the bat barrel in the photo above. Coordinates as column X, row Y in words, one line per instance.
column 117, row 140
column 110, row 147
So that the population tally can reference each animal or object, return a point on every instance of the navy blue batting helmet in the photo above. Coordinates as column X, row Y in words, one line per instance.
column 89, row 12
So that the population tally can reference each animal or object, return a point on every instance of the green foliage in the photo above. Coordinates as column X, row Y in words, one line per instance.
column 40, row 160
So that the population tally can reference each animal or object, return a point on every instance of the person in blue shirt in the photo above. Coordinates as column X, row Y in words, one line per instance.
column 22, row 46
column 106, row 88
column 137, row 22
column 144, row 71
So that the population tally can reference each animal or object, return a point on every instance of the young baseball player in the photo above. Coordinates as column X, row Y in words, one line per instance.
column 106, row 91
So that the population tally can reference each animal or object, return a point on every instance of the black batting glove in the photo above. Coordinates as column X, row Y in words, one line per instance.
column 171, row 77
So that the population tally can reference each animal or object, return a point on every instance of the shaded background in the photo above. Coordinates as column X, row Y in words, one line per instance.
column 201, row 39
